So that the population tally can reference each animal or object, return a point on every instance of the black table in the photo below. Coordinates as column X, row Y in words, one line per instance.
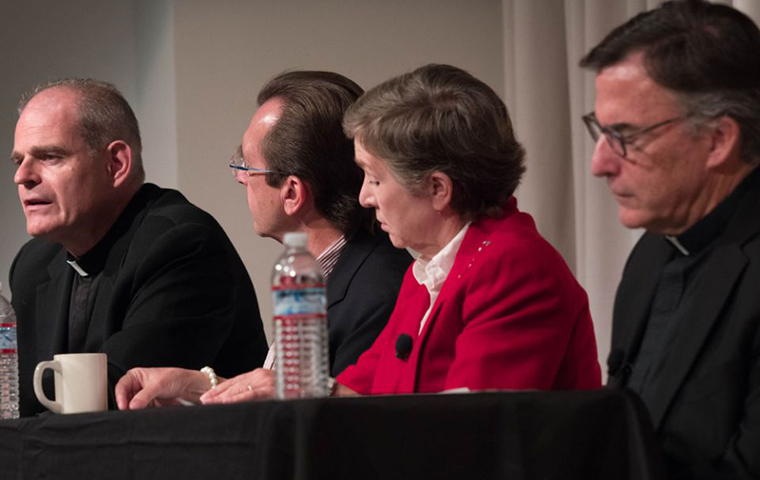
column 513, row 435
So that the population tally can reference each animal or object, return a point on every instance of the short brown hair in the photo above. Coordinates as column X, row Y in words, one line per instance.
column 103, row 114
column 308, row 141
column 441, row 118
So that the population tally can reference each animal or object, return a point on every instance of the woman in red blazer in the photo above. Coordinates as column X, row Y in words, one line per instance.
column 489, row 304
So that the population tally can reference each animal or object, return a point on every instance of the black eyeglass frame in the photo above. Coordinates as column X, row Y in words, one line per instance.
column 616, row 140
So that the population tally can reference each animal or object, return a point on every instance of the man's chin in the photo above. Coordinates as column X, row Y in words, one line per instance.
column 35, row 232
column 631, row 219
column 38, row 231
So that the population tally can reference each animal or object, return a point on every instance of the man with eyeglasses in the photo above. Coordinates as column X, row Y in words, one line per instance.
column 677, row 132
column 299, row 172
column 298, row 169
column 117, row 265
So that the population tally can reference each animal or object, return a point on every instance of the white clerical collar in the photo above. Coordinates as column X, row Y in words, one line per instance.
column 77, row 268
column 679, row 246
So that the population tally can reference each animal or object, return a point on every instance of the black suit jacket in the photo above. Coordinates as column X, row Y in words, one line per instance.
column 173, row 292
column 361, row 295
column 706, row 406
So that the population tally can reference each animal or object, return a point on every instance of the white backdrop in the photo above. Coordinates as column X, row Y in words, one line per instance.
column 191, row 69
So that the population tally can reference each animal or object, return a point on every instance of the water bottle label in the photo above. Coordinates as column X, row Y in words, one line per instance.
column 300, row 300
column 8, row 343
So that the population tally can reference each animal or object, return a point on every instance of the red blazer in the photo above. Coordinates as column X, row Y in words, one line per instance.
column 510, row 315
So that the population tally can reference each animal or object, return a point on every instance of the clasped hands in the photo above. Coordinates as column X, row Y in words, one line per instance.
column 146, row 387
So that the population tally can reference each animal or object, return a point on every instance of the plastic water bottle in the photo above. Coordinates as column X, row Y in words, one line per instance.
column 8, row 360
column 300, row 322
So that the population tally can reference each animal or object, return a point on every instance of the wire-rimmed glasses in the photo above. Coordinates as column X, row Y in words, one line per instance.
column 239, row 165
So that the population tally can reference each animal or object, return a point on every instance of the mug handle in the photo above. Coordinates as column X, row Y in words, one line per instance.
column 55, row 365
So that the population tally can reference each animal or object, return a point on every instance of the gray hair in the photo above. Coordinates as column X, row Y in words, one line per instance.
column 103, row 116
column 742, row 106
column 441, row 118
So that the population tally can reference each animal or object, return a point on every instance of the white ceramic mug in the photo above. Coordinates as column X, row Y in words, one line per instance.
column 81, row 383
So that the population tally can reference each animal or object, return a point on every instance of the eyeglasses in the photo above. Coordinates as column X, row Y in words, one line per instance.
column 616, row 140
column 238, row 165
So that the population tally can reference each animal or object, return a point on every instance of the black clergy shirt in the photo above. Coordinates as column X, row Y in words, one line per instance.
column 677, row 287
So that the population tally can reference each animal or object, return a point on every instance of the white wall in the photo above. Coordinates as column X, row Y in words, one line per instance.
column 155, row 104
column 191, row 70
column 45, row 40
column 226, row 50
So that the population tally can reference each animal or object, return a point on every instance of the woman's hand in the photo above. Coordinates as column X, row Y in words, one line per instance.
column 157, row 387
column 255, row 385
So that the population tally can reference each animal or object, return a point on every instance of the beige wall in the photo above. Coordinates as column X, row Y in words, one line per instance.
column 226, row 50
column 155, row 104
column 45, row 40
column 192, row 68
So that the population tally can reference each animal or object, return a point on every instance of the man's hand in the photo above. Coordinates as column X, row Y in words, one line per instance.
column 255, row 385
column 157, row 387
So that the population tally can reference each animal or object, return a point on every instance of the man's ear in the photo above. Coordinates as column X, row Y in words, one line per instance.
column 441, row 189
column 294, row 194
column 119, row 161
column 726, row 141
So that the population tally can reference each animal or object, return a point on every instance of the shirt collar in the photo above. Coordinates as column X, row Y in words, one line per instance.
column 433, row 273
column 329, row 257
column 92, row 262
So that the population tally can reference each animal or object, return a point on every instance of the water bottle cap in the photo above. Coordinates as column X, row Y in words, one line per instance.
column 296, row 239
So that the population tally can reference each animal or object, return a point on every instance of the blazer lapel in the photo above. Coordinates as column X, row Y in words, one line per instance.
column 352, row 257
column 474, row 238
column 722, row 272
column 634, row 300
column 52, row 306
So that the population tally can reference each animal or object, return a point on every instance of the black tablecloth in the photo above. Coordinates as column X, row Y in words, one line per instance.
column 513, row 435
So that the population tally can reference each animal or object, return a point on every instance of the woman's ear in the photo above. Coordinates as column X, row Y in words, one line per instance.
column 441, row 190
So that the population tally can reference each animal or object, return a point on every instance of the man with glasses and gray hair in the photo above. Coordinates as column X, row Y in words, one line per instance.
column 677, row 132
column 117, row 265
column 298, row 169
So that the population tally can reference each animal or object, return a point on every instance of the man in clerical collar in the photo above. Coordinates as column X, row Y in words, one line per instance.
column 677, row 131
column 117, row 265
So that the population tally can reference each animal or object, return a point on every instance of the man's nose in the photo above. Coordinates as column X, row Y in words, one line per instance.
column 604, row 161
column 26, row 173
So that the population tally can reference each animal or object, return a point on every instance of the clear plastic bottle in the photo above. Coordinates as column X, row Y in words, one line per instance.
column 300, row 322
column 8, row 360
